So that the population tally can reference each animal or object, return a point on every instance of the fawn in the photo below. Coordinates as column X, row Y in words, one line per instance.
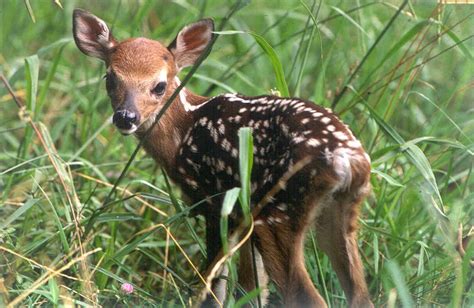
column 196, row 143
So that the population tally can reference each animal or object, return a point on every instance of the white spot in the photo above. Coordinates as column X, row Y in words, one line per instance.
column 270, row 220
column 194, row 148
column 221, row 129
column 214, row 134
column 242, row 110
column 298, row 139
column 340, row 135
column 190, row 140
column 317, row 114
column 313, row 142
column 331, row 128
column 282, row 207
column 226, row 145
column 234, row 153
column 305, row 121
column 325, row 120
column 354, row 143
column 191, row 183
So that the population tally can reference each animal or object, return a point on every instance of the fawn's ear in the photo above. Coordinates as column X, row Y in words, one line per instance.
column 190, row 42
column 92, row 35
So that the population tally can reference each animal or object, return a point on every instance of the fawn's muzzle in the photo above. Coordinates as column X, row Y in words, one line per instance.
column 126, row 121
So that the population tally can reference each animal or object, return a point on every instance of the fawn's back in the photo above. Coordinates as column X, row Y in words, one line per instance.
column 285, row 131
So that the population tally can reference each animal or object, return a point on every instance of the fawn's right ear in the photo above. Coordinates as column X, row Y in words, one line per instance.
column 91, row 34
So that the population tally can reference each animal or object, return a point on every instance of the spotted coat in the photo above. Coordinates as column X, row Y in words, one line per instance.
column 285, row 131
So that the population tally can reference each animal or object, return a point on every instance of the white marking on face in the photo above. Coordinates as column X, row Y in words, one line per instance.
column 128, row 131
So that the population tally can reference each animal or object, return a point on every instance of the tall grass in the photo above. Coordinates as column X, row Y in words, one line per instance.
column 399, row 74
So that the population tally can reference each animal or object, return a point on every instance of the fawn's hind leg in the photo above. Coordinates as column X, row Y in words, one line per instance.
column 247, row 272
column 336, row 227
column 281, row 248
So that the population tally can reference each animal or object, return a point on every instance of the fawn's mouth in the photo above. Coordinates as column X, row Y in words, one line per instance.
column 128, row 131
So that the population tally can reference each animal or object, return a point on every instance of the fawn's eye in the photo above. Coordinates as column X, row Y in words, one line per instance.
column 159, row 89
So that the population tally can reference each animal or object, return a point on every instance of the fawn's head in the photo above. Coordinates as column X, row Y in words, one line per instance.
column 140, row 72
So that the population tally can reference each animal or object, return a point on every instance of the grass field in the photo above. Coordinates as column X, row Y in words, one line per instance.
column 403, row 80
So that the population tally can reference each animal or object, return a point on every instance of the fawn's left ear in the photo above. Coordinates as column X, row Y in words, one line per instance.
column 190, row 42
column 92, row 35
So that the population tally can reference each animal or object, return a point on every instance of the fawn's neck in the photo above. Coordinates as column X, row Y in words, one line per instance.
column 164, row 140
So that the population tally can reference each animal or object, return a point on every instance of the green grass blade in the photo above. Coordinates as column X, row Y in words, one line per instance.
column 276, row 63
column 31, row 72
column 230, row 198
column 18, row 213
column 350, row 19
column 245, row 167
column 415, row 155
column 397, row 277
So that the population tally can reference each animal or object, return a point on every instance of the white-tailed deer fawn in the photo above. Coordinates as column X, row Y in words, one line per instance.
column 196, row 142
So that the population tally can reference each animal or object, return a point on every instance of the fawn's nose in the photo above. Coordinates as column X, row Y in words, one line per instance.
column 125, row 119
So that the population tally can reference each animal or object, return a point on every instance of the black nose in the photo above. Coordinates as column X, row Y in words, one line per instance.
column 124, row 119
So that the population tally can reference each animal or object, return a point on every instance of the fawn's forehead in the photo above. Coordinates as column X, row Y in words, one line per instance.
column 140, row 57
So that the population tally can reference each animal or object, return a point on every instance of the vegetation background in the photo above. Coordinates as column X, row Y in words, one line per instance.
column 403, row 80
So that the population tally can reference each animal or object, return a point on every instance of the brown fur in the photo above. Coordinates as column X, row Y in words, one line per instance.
column 135, row 66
